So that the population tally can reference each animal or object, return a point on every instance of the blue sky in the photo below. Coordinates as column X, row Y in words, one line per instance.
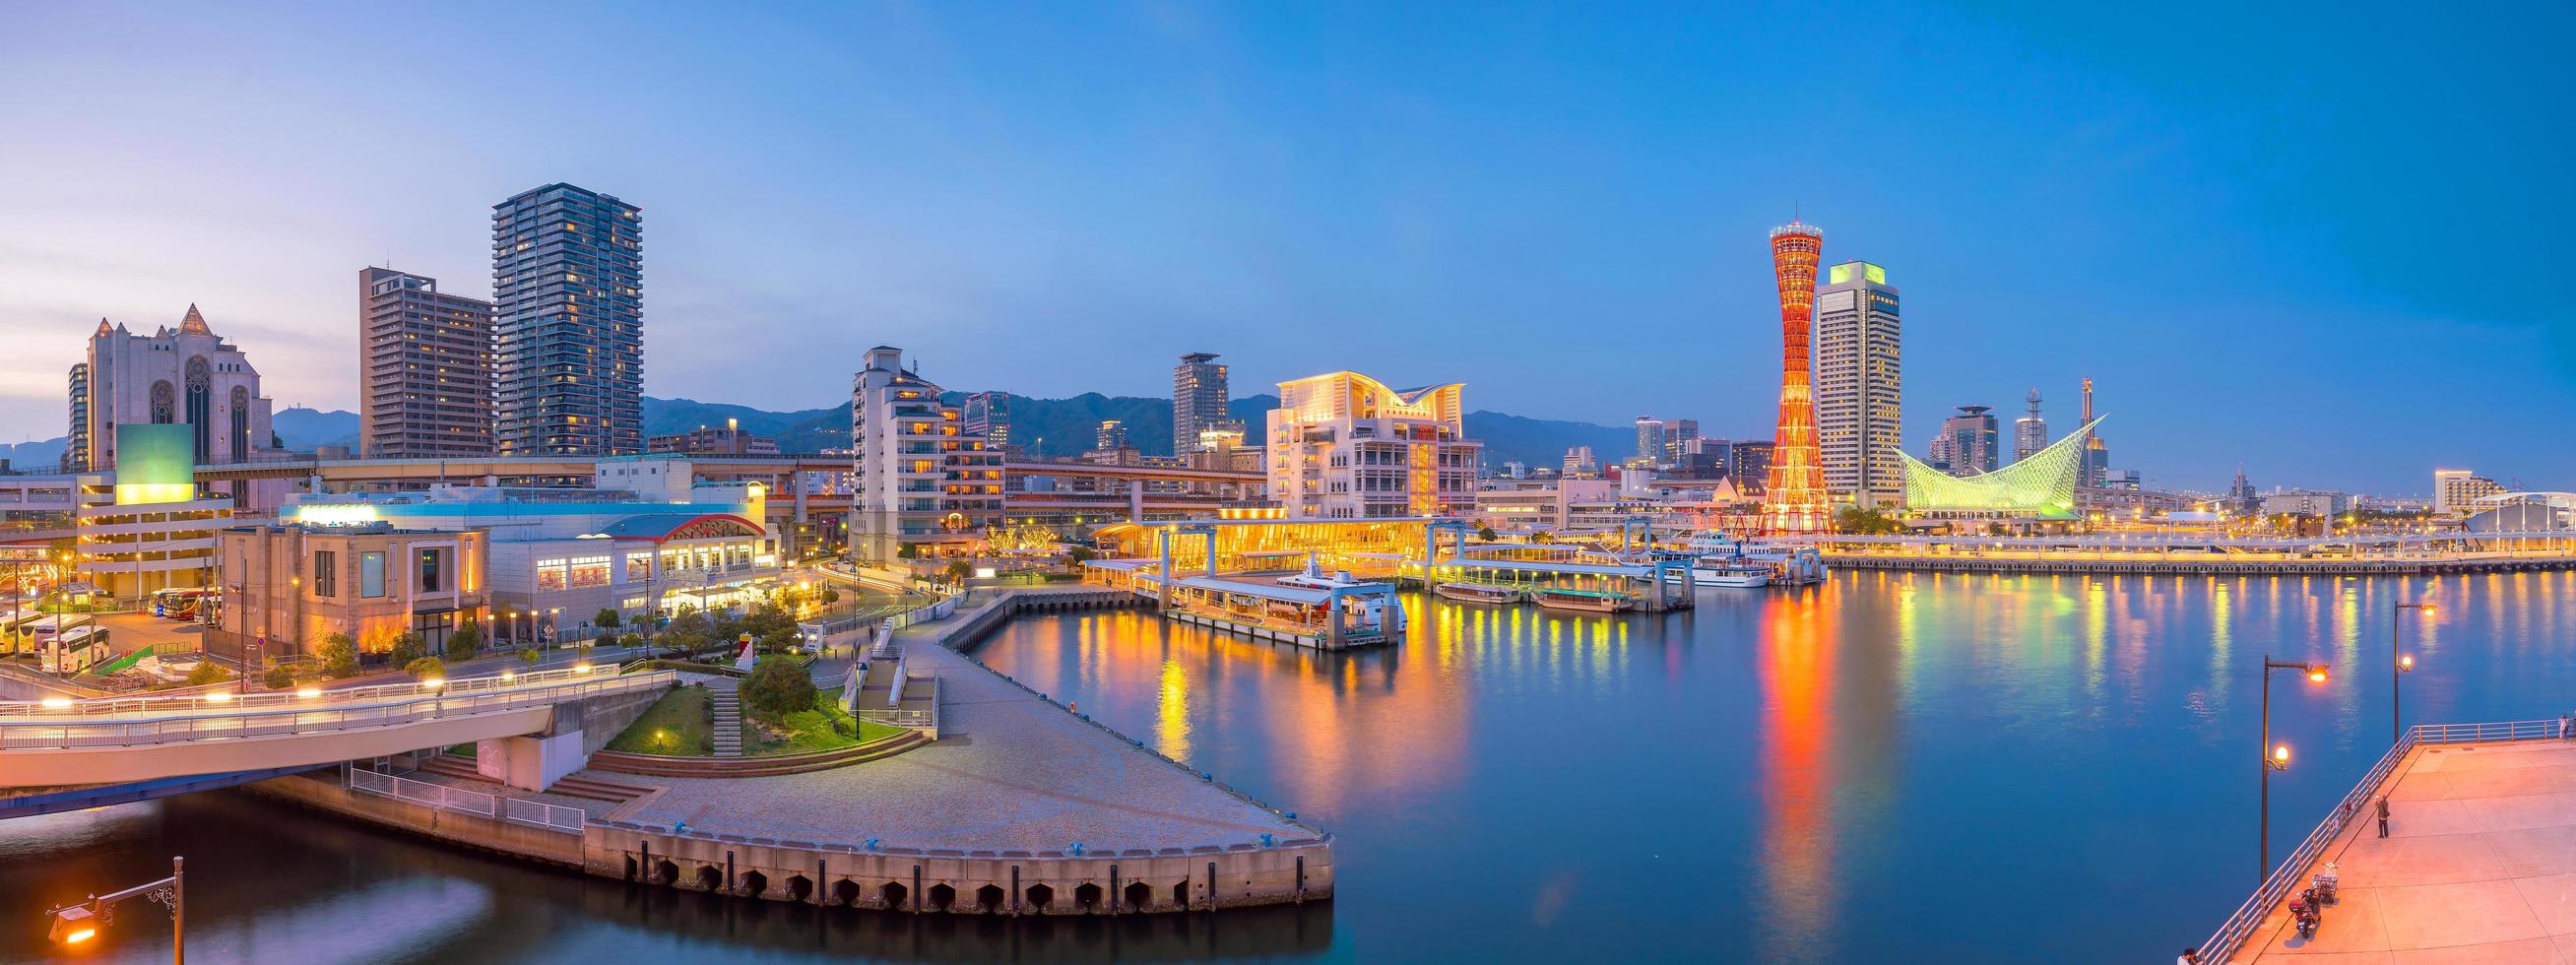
column 2322, row 241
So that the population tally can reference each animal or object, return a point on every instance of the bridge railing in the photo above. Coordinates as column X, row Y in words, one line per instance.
column 65, row 733
column 462, row 801
column 2287, row 875
column 225, row 700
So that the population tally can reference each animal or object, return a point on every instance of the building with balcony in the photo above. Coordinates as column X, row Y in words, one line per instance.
column 424, row 369
column 1346, row 446
column 1198, row 400
column 922, row 484
column 568, row 300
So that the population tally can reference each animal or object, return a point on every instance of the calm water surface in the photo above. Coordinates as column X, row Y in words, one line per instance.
column 1887, row 767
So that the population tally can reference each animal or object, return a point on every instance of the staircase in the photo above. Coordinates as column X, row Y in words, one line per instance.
column 726, row 705
column 597, row 790
column 450, row 765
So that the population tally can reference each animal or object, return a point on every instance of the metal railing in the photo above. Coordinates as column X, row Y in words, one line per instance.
column 2286, row 876
column 898, row 718
column 317, row 717
column 477, row 803
column 227, row 700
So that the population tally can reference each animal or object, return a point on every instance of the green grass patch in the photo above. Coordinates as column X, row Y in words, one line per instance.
column 824, row 728
column 678, row 725
column 462, row 750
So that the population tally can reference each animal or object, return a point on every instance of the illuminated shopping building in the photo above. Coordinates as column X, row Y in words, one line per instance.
column 1346, row 446
column 2039, row 488
column 1794, row 502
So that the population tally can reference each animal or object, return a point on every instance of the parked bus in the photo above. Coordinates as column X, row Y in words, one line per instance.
column 73, row 650
column 178, row 604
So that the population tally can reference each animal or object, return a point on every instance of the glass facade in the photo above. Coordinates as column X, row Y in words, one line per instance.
column 567, row 276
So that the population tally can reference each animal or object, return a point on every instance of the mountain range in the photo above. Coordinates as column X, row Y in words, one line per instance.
column 1047, row 427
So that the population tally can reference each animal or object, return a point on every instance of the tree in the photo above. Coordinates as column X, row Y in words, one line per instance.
column 1487, row 534
column 775, row 630
column 208, row 672
column 278, row 678
column 607, row 618
column 465, row 642
column 407, row 648
column 528, row 658
column 427, row 668
column 831, row 596
column 690, row 631
column 339, row 656
column 777, row 687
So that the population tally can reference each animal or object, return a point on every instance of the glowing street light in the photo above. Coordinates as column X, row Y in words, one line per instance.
column 71, row 926
column 2405, row 664
column 2275, row 757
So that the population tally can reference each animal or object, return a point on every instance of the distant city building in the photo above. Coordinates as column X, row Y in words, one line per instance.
column 1113, row 435
column 2030, row 432
column 728, row 441
column 920, row 480
column 1796, row 500
column 159, row 532
column 2127, row 479
column 2306, row 502
column 1580, row 461
column 1515, row 470
column 1860, row 385
column 1681, row 441
column 1748, row 466
column 1650, row 441
column 187, row 376
column 988, row 414
column 2097, row 454
column 1346, row 446
column 568, row 298
column 424, row 369
column 1198, row 399
column 2456, row 492
column 76, row 443
column 1966, row 445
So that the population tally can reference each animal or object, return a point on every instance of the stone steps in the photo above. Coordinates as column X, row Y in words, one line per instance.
column 726, row 707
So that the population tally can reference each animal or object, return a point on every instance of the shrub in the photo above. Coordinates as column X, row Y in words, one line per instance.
column 427, row 668
column 777, row 687
column 465, row 642
column 407, row 648
column 527, row 658
column 831, row 596
column 208, row 672
column 278, row 678
column 607, row 618
column 1487, row 534
column 339, row 656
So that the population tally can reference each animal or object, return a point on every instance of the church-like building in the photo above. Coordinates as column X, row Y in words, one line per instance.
column 188, row 375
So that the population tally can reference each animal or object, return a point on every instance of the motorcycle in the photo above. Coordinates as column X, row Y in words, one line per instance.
column 2303, row 912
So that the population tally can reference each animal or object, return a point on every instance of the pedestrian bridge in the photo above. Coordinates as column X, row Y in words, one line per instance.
column 60, row 742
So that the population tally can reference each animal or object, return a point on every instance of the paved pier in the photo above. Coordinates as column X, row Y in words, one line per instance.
column 2479, row 865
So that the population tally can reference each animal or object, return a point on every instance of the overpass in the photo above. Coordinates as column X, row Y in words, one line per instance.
column 1093, row 470
column 536, row 721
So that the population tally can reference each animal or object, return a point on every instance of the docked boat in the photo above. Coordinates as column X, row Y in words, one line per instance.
column 1583, row 601
column 1478, row 592
column 1739, row 574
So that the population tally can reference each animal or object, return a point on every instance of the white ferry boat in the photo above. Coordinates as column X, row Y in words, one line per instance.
column 1478, row 592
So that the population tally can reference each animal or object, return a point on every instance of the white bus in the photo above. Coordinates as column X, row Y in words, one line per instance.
column 73, row 650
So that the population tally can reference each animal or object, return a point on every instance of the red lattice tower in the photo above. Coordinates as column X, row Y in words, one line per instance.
column 1795, row 502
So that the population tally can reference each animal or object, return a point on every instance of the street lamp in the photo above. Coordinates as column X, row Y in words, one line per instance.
column 2275, row 757
column 2405, row 663
column 73, row 925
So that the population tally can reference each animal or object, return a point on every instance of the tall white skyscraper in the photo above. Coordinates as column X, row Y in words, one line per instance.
column 1860, row 382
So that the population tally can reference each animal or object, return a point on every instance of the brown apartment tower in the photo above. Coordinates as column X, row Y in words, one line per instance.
column 424, row 369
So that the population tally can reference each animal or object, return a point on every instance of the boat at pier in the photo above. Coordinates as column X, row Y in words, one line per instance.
column 1584, row 601
column 1464, row 592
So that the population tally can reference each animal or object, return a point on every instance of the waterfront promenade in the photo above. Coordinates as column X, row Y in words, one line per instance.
column 2479, row 864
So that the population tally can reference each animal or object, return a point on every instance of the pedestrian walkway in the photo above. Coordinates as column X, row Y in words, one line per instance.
column 725, row 703
column 2479, row 865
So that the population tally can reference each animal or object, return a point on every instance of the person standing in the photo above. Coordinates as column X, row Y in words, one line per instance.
column 2383, row 815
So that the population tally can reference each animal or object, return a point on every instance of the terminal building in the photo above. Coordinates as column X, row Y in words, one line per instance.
column 1346, row 446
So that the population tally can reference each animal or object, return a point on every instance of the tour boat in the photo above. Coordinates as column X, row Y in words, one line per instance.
column 1587, row 601
column 1738, row 574
column 1478, row 593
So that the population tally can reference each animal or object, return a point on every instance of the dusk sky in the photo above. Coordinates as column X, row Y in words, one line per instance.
column 2323, row 242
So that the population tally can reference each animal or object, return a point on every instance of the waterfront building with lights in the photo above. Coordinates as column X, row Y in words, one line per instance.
column 2040, row 488
column 1860, row 385
column 186, row 376
column 921, row 480
column 1347, row 446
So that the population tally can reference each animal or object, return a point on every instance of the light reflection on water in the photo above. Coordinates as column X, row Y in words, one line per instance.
column 1888, row 766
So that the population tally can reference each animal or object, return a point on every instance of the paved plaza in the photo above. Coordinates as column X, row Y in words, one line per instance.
column 1009, row 772
column 2479, row 865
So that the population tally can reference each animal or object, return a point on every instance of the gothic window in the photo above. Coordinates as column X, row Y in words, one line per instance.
column 201, row 421
column 240, row 423
column 165, row 403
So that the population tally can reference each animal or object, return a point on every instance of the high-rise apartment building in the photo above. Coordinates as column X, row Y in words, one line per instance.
column 1346, row 446
column 988, row 414
column 2030, row 432
column 2456, row 492
column 76, row 444
column 1967, row 443
column 918, row 479
column 1650, row 441
column 568, row 299
column 187, row 375
column 424, row 369
column 1198, row 400
column 1860, row 386
column 1795, row 501
column 1681, row 441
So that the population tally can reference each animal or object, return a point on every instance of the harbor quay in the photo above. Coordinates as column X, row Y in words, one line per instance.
column 1022, row 806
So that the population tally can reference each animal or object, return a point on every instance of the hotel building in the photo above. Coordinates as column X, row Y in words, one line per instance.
column 1346, row 446
column 424, row 369
column 920, row 480
column 568, row 297
column 1198, row 400
column 2456, row 492
column 186, row 376
column 1860, row 385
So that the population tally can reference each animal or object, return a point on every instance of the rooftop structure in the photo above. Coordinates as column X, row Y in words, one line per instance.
column 2030, row 432
column 2041, row 487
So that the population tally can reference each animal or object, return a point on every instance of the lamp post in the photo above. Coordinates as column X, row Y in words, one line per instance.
column 2275, row 758
column 2400, row 664
column 72, row 925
